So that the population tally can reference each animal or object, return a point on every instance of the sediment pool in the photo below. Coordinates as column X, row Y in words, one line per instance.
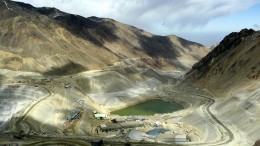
column 157, row 131
column 148, row 108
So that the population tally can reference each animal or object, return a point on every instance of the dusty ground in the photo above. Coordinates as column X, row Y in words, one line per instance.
column 205, row 119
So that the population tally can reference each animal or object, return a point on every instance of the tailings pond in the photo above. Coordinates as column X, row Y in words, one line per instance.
column 149, row 108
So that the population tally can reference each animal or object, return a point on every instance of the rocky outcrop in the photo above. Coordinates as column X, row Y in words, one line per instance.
column 232, row 65
column 228, row 43
column 257, row 143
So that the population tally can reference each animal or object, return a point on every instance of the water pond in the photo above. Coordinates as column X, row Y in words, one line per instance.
column 157, row 131
column 148, row 108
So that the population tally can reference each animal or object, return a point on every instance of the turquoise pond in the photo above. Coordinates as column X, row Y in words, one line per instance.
column 148, row 108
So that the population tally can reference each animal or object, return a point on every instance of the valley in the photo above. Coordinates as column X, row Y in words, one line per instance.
column 57, row 97
column 70, row 80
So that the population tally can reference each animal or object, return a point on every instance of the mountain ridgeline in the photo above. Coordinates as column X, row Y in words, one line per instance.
column 232, row 65
column 53, row 42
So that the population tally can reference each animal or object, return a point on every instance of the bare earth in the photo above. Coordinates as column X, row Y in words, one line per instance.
column 206, row 120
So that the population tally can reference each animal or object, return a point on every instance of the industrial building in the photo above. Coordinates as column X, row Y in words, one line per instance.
column 129, row 119
column 118, row 126
column 74, row 115
column 134, row 119
column 67, row 85
column 180, row 138
column 100, row 116
column 118, row 120
column 156, row 124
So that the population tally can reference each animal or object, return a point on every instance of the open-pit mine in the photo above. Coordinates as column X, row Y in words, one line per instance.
column 70, row 80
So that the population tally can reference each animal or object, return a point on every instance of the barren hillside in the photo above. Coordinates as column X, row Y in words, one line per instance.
column 233, row 65
column 63, row 77
column 49, row 41
column 231, row 72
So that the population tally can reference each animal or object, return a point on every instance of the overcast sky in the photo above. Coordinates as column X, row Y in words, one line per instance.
column 203, row 21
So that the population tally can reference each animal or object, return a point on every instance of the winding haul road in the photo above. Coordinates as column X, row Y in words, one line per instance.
column 229, row 132
column 213, row 118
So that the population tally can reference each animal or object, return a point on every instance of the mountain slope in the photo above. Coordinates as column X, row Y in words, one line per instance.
column 231, row 66
column 49, row 41
column 232, row 71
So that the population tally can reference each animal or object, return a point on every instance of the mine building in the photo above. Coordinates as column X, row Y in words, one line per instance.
column 100, row 116
column 74, row 115
column 156, row 124
column 180, row 138
column 118, row 120
column 119, row 126
column 134, row 119
column 80, row 101
column 67, row 85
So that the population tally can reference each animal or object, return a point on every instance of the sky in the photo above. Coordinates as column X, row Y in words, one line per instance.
column 203, row 21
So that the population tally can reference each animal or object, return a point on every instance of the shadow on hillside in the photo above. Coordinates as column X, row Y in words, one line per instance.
column 161, row 47
column 158, row 46
column 187, row 44
column 68, row 69
column 95, row 31
column 1, row 79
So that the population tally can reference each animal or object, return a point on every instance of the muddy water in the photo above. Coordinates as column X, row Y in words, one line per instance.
column 151, row 107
